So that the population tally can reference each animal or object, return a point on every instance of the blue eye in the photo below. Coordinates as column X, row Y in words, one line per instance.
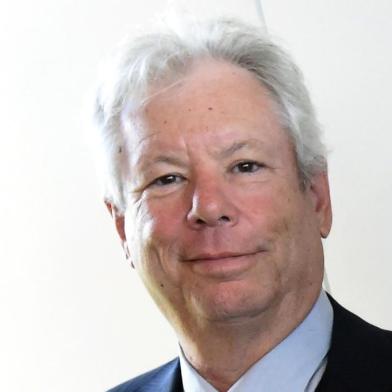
column 167, row 180
column 247, row 167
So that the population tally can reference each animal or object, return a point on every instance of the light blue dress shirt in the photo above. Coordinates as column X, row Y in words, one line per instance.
column 295, row 365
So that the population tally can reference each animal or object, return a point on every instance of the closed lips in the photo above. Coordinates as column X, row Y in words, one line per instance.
column 219, row 256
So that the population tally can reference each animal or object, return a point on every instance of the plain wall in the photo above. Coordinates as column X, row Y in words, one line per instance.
column 74, row 316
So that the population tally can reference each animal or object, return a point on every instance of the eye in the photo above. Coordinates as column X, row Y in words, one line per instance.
column 247, row 167
column 167, row 180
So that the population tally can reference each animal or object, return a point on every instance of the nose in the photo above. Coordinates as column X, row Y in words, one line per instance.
column 211, row 206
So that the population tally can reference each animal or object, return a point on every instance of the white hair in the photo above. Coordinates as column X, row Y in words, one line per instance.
column 164, row 56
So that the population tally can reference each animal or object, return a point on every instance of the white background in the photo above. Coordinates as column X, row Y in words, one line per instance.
column 74, row 316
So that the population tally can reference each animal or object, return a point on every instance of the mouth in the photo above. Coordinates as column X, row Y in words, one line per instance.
column 223, row 265
column 220, row 256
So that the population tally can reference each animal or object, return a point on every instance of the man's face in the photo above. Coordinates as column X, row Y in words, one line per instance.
column 217, row 223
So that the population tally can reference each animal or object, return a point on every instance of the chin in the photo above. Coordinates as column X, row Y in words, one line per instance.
column 233, row 301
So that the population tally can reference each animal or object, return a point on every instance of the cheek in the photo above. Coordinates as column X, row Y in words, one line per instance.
column 288, row 227
column 275, row 213
column 165, row 221
column 155, row 231
column 266, row 205
column 152, row 227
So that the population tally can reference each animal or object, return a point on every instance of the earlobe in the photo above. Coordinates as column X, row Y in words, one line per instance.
column 322, row 202
column 127, row 254
column 119, row 222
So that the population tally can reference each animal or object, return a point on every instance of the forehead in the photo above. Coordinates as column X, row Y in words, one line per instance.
column 211, row 86
column 215, row 99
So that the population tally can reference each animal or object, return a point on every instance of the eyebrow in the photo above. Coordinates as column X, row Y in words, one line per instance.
column 236, row 146
column 171, row 160
column 225, row 153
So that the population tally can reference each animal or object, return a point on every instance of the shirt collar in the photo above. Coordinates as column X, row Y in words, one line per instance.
column 290, row 366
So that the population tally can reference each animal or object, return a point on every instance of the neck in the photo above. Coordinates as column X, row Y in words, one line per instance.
column 222, row 351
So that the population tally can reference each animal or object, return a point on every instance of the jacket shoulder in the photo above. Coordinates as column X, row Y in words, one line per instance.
column 360, row 356
column 354, row 333
column 164, row 378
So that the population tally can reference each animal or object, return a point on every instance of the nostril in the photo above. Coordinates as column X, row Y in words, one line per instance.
column 224, row 218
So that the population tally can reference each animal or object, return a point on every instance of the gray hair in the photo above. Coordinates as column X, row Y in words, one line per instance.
column 165, row 55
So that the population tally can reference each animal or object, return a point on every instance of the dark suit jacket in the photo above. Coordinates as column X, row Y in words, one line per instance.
column 359, row 360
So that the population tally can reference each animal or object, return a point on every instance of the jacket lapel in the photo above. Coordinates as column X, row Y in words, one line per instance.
column 168, row 380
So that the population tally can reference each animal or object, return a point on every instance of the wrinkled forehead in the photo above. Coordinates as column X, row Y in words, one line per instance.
column 208, row 88
column 186, row 82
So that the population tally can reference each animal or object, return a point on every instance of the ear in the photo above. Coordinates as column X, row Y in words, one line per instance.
column 119, row 222
column 319, row 189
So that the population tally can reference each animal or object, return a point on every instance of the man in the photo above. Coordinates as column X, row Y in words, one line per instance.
column 216, row 179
